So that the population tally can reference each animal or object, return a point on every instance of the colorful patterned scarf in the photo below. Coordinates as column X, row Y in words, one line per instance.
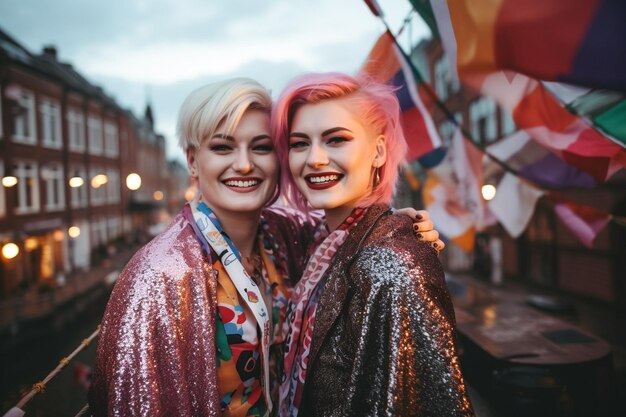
column 301, row 316
column 240, row 375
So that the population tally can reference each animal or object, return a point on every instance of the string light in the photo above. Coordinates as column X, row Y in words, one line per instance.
column 488, row 191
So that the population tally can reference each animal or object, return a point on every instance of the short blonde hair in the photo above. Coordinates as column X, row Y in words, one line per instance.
column 226, row 101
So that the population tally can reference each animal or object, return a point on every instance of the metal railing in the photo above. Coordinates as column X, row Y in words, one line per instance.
column 39, row 387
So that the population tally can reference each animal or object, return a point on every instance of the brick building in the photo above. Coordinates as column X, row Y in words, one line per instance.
column 70, row 147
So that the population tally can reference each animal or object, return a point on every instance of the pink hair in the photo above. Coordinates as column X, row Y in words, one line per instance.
column 375, row 104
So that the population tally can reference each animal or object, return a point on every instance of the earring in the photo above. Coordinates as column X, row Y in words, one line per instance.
column 377, row 177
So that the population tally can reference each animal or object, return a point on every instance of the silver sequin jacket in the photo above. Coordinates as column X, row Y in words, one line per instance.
column 383, row 341
column 156, row 352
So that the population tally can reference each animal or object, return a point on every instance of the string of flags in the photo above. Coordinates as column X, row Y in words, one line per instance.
column 569, row 136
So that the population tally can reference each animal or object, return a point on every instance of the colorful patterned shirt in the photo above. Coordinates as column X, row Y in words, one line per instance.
column 238, row 349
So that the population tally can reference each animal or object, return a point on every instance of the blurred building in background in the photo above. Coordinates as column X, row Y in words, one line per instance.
column 81, row 176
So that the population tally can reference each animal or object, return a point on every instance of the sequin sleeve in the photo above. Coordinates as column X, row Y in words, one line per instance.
column 407, row 363
column 156, row 350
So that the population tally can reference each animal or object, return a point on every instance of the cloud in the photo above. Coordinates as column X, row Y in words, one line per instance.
column 166, row 99
column 166, row 48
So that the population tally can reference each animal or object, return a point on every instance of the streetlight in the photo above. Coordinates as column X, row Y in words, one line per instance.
column 133, row 181
column 99, row 180
column 10, row 250
column 73, row 232
column 76, row 182
column 9, row 181
column 158, row 195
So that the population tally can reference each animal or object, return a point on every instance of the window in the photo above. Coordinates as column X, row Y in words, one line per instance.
column 27, row 187
column 482, row 113
column 115, row 227
column 111, row 141
column 50, row 112
column 97, row 190
column 113, row 186
column 23, row 127
column 76, row 130
column 444, row 84
column 79, row 194
column 447, row 128
column 508, row 125
column 94, row 135
column 52, row 176
column 98, row 232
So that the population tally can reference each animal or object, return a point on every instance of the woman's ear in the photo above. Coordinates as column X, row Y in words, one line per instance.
column 381, row 152
column 192, row 163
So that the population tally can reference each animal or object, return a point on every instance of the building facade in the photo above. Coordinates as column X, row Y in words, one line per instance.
column 66, row 151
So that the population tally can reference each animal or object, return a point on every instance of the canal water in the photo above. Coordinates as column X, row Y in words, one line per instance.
column 38, row 349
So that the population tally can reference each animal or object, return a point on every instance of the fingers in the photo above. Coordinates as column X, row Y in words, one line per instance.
column 421, row 215
column 438, row 244
column 423, row 226
column 417, row 215
column 430, row 236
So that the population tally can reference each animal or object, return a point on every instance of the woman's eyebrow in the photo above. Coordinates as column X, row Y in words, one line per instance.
column 261, row 137
column 222, row 136
column 335, row 130
column 324, row 133
column 299, row 135
column 232, row 139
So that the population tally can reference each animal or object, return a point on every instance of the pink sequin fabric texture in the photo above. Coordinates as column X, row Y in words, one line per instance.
column 156, row 352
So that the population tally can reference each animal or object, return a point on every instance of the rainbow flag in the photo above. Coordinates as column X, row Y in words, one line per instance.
column 386, row 63
column 575, row 41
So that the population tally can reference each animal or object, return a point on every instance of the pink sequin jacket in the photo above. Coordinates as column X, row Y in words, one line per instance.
column 156, row 352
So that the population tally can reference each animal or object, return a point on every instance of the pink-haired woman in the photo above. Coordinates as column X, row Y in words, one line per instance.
column 370, row 324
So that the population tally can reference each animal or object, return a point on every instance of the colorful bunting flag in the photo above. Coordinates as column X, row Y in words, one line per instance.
column 467, row 162
column 452, row 194
column 605, row 109
column 469, row 36
column 441, row 199
column 425, row 11
column 374, row 8
column 575, row 41
column 514, row 203
column 386, row 63
column 535, row 163
column 536, row 111
column 583, row 221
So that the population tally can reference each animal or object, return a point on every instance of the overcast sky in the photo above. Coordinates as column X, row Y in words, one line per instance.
column 163, row 49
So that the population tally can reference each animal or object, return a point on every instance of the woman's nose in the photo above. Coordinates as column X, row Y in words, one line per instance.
column 317, row 156
column 243, row 162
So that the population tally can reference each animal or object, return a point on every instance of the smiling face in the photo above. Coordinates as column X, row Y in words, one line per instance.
column 237, row 172
column 333, row 157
